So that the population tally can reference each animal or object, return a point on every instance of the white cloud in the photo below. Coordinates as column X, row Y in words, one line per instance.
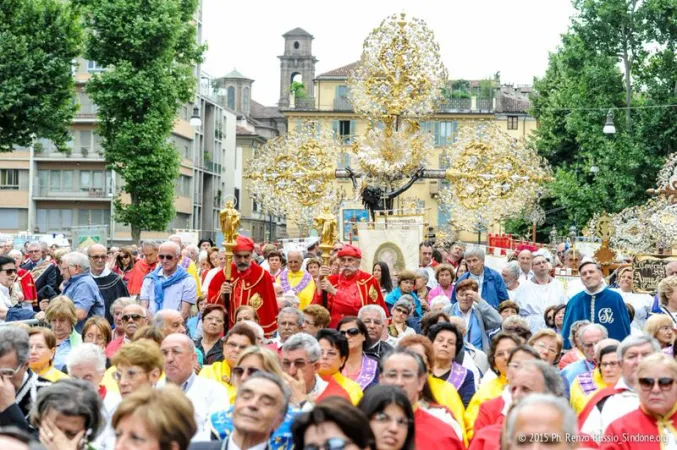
column 477, row 37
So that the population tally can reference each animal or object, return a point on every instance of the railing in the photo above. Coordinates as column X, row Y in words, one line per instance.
column 212, row 166
column 485, row 104
column 457, row 104
column 342, row 104
column 88, row 193
column 304, row 103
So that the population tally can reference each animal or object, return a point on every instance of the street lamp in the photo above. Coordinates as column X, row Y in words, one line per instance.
column 594, row 170
column 609, row 127
column 195, row 120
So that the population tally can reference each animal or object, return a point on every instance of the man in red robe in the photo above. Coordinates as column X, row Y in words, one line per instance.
column 143, row 267
column 350, row 290
column 250, row 285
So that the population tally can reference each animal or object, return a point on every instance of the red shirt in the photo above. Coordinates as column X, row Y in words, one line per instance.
column 433, row 434
column 490, row 413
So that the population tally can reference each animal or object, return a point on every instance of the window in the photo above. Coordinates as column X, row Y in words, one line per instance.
column 443, row 213
column 245, row 100
column 93, row 216
column 93, row 66
column 444, row 133
column 230, row 102
column 236, row 194
column 183, row 186
column 513, row 122
column 54, row 219
column 342, row 91
column 55, row 180
column 85, row 141
column 93, row 179
column 9, row 178
column 345, row 130
column 9, row 218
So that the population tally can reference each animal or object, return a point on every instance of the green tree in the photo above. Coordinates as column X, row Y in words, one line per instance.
column 38, row 41
column 152, row 48
column 582, row 81
column 298, row 89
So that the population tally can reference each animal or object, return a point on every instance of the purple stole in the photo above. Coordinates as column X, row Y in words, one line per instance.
column 185, row 262
column 284, row 282
column 367, row 372
column 586, row 382
column 457, row 375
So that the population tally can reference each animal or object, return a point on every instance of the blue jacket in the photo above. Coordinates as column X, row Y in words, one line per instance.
column 395, row 295
column 493, row 287
column 84, row 292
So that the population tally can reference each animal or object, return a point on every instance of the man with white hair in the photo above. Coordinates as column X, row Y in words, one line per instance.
column 187, row 262
column 110, row 283
column 26, row 292
column 540, row 293
column 87, row 362
column 43, row 271
column 296, row 280
column 169, row 286
column 614, row 402
column 491, row 285
column 374, row 318
column 81, row 288
column 540, row 420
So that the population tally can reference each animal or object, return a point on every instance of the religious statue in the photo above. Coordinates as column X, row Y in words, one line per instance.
column 230, row 222
column 326, row 225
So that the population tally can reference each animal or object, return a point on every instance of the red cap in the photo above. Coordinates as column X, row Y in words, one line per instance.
column 243, row 244
column 349, row 250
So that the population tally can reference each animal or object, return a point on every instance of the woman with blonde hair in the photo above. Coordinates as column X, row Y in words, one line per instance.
column 154, row 419
column 661, row 327
column 42, row 344
column 62, row 319
column 667, row 295
column 137, row 365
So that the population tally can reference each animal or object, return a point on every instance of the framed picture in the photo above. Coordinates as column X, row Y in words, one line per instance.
column 349, row 219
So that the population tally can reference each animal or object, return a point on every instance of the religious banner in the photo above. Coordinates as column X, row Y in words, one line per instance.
column 648, row 271
column 396, row 247
column 350, row 219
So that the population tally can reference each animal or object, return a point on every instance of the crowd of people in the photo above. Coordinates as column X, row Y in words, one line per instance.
column 160, row 347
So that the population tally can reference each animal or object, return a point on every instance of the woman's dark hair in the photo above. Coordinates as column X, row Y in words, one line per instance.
column 378, row 397
column 386, row 280
column 502, row 335
column 210, row 308
column 431, row 318
column 631, row 311
column 558, row 308
column 336, row 339
column 524, row 348
column 446, row 326
column 118, row 259
column 202, row 241
column 341, row 412
column 606, row 350
column 360, row 326
column 549, row 323
column 437, row 256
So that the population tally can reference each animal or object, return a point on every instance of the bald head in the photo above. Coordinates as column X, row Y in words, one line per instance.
column 175, row 238
column 524, row 258
column 97, row 258
column 169, row 321
column 179, row 339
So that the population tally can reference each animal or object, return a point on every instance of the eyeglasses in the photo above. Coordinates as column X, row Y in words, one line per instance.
column 130, row 374
column 351, row 332
column 167, row 257
column 664, row 383
column 541, row 346
column 98, row 257
column 299, row 364
column 609, row 364
column 216, row 320
column 9, row 271
column 94, row 337
column 392, row 376
column 383, row 418
column 9, row 372
column 239, row 371
column 134, row 317
column 330, row 444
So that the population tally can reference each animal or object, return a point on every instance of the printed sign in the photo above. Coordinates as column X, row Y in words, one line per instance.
column 648, row 271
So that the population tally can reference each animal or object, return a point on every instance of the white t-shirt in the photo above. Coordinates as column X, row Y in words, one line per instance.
column 533, row 299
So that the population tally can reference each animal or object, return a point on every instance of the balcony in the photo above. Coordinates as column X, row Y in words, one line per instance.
column 342, row 104
column 86, row 113
column 90, row 194
column 211, row 166
column 456, row 104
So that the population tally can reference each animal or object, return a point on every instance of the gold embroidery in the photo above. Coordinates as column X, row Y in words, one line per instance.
column 373, row 295
column 255, row 301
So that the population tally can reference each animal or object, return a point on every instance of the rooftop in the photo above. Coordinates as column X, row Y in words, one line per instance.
column 258, row 111
column 298, row 32
column 235, row 74
column 341, row 71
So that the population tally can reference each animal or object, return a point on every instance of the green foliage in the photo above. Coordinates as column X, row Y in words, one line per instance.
column 486, row 89
column 584, row 79
column 298, row 89
column 152, row 47
column 38, row 41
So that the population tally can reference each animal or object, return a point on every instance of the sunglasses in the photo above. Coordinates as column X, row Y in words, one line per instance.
column 330, row 444
column 167, row 257
column 9, row 271
column 351, row 332
column 664, row 383
column 239, row 371
column 134, row 317
column 98, row 257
